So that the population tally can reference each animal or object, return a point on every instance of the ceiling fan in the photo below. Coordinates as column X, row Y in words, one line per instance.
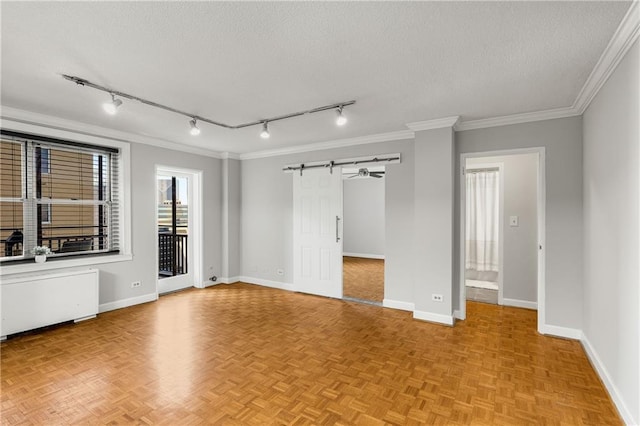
column 364, row 172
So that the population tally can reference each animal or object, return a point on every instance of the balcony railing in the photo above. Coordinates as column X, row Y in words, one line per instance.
column 172, row 254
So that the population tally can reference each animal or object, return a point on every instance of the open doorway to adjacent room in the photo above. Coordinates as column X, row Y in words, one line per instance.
column 364, row 234
column 502, row 212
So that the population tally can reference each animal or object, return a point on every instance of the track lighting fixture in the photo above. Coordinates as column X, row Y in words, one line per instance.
column 195, row 131
column 341, row 120
column 264, row 134
column 112, row 107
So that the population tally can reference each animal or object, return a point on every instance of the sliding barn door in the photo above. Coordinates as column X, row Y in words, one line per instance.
column 317, row 232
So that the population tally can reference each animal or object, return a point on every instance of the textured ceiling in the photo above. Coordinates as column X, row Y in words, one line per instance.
column 242, row 61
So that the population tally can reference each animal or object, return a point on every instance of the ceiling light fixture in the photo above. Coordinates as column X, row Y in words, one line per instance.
column 111, row 108
column 264, row 134
column 341, row 120
column 195, row 131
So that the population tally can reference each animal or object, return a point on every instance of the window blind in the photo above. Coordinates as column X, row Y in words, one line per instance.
column 69, row 201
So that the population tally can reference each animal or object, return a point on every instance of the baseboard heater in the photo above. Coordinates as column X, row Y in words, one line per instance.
column 32, row 301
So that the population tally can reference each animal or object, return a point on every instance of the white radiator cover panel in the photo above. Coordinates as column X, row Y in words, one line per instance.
column 34, row 301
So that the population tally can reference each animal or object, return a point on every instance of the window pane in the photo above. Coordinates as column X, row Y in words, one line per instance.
column 74, row 227
column 10, row 169
column 72, row 175
column 11, row 232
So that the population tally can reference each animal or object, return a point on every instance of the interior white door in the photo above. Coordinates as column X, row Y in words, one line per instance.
column 317, row 232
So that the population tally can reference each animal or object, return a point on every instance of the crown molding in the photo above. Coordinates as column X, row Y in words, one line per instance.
column 526, row 117
column 229, row 156
column 437, row 123
column 622, row 40
column 339, row 143
column 48, row 121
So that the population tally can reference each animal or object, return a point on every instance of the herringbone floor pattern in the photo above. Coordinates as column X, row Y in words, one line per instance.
column 241, row 354
column 363, row 278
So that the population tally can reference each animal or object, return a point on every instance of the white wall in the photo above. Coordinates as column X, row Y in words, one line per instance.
column 520, row 262
column 364, row 222
column 611, row 320
column 230, row 217
column 562, row 140
column 267, row 223
column 115, row 278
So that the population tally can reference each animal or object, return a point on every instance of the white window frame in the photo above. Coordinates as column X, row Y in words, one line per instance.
column 124, row 195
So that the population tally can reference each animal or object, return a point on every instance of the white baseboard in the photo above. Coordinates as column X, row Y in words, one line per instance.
column 458, row 314
column 397, row 304
column 267, row 283
column 125, row 303
column 225, row 280
column 516, row 303
column 554, row 330
column 431, row 317
column 364, row 255
column 626, row 415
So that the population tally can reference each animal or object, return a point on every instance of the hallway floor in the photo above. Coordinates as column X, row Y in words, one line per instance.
column 363, row 278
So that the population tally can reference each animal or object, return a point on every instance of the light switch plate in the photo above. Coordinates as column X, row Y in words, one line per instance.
column 513, row 220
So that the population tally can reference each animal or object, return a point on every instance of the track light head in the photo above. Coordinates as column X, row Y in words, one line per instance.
column 341, row 120
column 195, row 130
column 265, row 131
column 111, row 108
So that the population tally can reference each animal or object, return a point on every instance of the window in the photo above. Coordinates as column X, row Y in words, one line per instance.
column 58, row 194
column 45, row 164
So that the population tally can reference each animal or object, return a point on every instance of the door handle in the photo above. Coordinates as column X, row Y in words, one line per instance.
column 337, row 235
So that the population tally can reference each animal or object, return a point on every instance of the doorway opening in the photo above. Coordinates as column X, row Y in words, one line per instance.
column 364, row 234
column 178, row 229
column 502, row 229
column 484, row 235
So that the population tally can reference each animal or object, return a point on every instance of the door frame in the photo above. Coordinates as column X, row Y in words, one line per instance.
column 500, row 167
column 541, row 231
column 195, row 221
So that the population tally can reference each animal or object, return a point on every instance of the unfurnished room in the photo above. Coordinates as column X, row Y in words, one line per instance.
column 320, row 213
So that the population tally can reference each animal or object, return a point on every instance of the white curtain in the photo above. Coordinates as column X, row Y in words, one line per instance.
column 482, row 220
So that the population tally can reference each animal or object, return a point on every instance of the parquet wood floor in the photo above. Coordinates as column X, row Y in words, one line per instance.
column 242, row 354
column 363, row 278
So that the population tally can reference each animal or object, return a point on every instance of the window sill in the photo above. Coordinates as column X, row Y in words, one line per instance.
column 61, row 264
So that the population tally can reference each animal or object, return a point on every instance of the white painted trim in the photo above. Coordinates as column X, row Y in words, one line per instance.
column 398, row 304
column 437, row 123
column 516, row 303
column 566, row 332
column 431, row 317
column 229, row 155
column 624, row 37
column 340, row 143
column 364, row 255
column 55, row 123
column 25, row 268
column 526, row 117
column 125, row 303
column 267, row 283
column 458, row 314
column 226, row 280
column 615, row 394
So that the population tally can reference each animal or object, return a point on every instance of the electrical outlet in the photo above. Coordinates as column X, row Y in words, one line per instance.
column 136, row 284
column 280, row 271
column 437, row 297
